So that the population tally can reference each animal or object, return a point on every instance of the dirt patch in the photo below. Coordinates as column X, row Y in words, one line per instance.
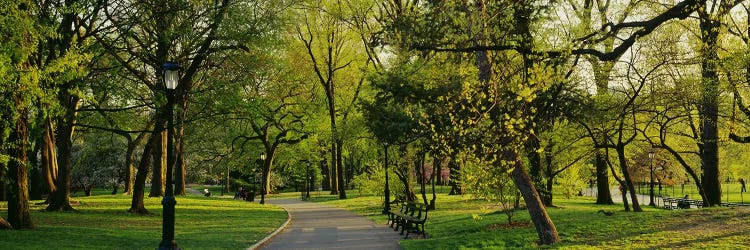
column 512, row 225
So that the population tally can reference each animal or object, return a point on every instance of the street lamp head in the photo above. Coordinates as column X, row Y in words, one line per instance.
column 171, row 75
column 263, row 156
column 651, row 154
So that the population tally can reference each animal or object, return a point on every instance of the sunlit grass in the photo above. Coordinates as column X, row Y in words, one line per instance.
column 461, row 222
column 102, row 222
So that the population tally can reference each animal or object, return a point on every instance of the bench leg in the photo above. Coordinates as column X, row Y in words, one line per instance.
column 404, row 228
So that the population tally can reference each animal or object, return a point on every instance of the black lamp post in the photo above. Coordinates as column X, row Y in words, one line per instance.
column 171, row 78
column 308, row 183
column 651, row 185
column 263, row 179
column 387, row 206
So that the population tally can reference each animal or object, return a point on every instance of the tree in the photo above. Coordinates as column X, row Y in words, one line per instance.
column 18, row 88
column 710, row 16
column 332, row 49
column 274, row 123
column 601, row 71
column 142, row 36
column 563, row 150
column 72, row 28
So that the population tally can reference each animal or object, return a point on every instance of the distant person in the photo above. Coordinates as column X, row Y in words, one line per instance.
column 206, row 192
column 684, row 204
column 240, row 194
column 742, row 182
column 251, row 195
column 659, row 182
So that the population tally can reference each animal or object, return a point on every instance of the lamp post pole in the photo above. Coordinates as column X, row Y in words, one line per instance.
column 171, row 79
column 387, row 191
column 263, row 179
column 309, row 181
column 651, row 184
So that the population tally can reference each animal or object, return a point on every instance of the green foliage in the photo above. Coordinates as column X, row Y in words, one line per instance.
column 574, row 180
column 490, row 184
column 370, row 183
column 99, row 162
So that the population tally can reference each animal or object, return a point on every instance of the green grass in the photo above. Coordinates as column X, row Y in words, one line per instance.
column 102, row 222
column 461, row 222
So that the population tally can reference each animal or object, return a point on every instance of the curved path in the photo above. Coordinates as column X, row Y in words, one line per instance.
column 320, row 226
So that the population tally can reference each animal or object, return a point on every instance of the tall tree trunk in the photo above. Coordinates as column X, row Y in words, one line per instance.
column 18, row 204
column 709, row 113
column 435, row 173
column 403, row 176
column 549, row 171
column 139, row 187
column 334, row 171
column 439, row 172
column 547, row 199
column 603, row 195
column 535, row 167
column 419, row 165
column 624, row 194
column 326, row 172
column 626, row 177
column 36, row 188
column 158, row 164
column 69, row 100
column 266, row 174
column 49, row 158
column 455, row 176
column 179, row 169
column 340, row 173
column 129, row 167
column 545, row 229
column 66, row 127
column 130, row 158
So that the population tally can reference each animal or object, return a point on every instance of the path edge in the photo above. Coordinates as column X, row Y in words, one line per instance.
column 278, row 230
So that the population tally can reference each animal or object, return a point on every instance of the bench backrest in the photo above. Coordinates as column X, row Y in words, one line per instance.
column 416, row 208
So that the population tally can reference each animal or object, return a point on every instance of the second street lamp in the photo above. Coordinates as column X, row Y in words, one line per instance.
column 651, row 184
column 263, row 179
column 171, row 78
column 387, row 191
column 308, row 182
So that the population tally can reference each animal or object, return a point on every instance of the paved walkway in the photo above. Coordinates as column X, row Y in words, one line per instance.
column 319, row 226
column 643, row 199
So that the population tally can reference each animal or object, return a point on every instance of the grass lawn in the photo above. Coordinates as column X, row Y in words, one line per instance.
column 102, row 222
column 461, row 222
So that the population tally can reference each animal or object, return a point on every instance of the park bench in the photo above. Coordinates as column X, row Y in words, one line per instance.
column 669, row 202
column 395, row 215
column 415, row 223
column 680, row 203
column 729, row 204
column 411, row 217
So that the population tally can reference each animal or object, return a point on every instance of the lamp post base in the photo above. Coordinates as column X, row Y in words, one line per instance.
column 168, row 246
column 167, row 240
